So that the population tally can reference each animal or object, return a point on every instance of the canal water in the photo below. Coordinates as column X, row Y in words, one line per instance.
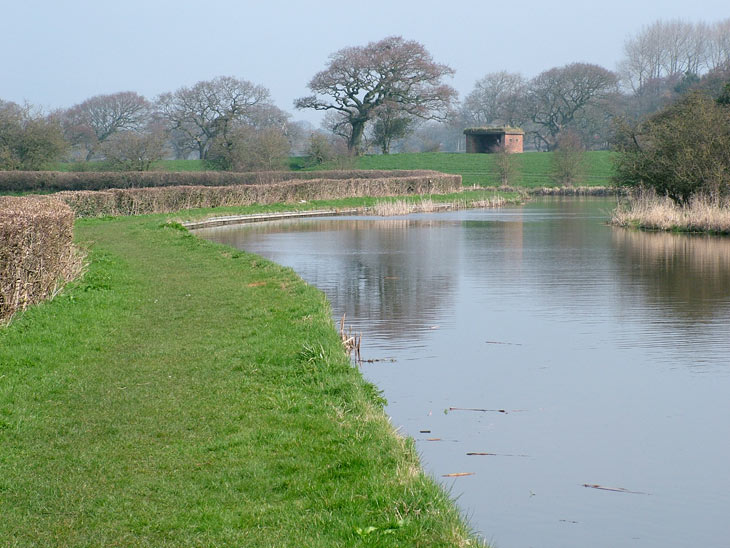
column 588, row 367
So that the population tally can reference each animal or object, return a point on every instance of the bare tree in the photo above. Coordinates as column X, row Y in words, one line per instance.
column 666, row 48
column 360, row 79
column 211, row 108
column 506, row 164
column 29, row 140
column 95, row 120
column 131, row 150
column 718, row 45
column 568, row 160
column 246, row 148
column 496, row 99
column 557, row 96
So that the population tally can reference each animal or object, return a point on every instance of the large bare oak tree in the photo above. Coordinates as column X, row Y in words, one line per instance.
column 393, row 71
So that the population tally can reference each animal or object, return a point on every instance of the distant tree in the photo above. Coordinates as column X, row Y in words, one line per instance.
column 360, row 79
column 506, row 164
column 319, row 150
column 209, row 109
column 557, row 96
column 680, row 151
column 436, row 136
column 666, row 48
column 497, row 99
column 246, row 148
column 390, row 124
column 95, row 120
column 718, row 45
column 28, row 140
column 131, row 150
column 568, row 160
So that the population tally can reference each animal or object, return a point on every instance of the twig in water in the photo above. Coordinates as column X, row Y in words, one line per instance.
column 500, row 342
column 614, row 489
column 494, row 455
column 479, row 410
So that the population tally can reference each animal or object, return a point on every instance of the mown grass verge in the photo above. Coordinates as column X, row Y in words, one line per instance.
column 186, row 394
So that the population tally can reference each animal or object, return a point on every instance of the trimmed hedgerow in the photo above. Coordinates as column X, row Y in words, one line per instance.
column 56, row 181
column 37, row 255
column 138, row 201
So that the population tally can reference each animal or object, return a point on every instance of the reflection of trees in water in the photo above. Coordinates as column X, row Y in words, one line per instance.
column 679, row 273
column 395, row 275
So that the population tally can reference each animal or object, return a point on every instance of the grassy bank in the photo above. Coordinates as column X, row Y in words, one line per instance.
column 186, row 394
column 480, row 169
column 476, row 169
column 661, row 213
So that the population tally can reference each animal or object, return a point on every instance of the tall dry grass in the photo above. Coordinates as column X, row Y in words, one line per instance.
column 37, row 255
column 404, row 207
column 647, row 210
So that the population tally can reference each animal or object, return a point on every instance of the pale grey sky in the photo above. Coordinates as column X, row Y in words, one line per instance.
column 57, row 53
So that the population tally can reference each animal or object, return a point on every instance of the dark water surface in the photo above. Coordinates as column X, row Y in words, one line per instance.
column 608, row 349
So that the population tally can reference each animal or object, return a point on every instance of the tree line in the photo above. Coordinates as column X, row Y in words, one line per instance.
column 388, row 94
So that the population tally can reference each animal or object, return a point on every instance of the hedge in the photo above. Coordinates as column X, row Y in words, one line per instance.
column 137, row 201
column 37, row 255
column 56, row 181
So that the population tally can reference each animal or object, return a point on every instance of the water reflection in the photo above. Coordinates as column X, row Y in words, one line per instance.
column 391, row 277
column 682, row 274
column 596, row 335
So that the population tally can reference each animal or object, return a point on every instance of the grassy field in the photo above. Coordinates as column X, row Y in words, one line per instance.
column 479, row 169
column 186, row 394
column 476, row 169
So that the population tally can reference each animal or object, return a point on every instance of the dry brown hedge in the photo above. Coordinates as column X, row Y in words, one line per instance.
column 37, row 255
column 139, row 201
column 56, row 181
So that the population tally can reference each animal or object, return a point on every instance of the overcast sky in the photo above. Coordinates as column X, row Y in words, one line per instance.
column 56, row 53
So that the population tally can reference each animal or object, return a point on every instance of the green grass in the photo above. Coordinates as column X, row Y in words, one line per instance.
column 465, row 197
column 476, row 169
column 479, row 169
column 183, row 393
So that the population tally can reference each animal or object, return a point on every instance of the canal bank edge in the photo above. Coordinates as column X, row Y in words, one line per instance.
column 248, row 423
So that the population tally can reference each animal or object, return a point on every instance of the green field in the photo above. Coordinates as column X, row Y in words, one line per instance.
column 184, row 393
column 479, row 169
column 476, row 169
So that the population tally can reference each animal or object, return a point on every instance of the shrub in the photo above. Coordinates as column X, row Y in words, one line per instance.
column 319, row 150
column 681, row 151
column 130, row 150
column 36, row 252
column 568, row 161
column 137, row 201
column 249, row 149
column 28, row 140
column 54, row 181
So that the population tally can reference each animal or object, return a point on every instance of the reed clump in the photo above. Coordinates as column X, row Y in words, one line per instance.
column 427, row 205
column 700, row 214
column 37, row 255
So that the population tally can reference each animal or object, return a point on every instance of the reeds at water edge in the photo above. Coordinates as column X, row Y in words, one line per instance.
column 647, row 210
